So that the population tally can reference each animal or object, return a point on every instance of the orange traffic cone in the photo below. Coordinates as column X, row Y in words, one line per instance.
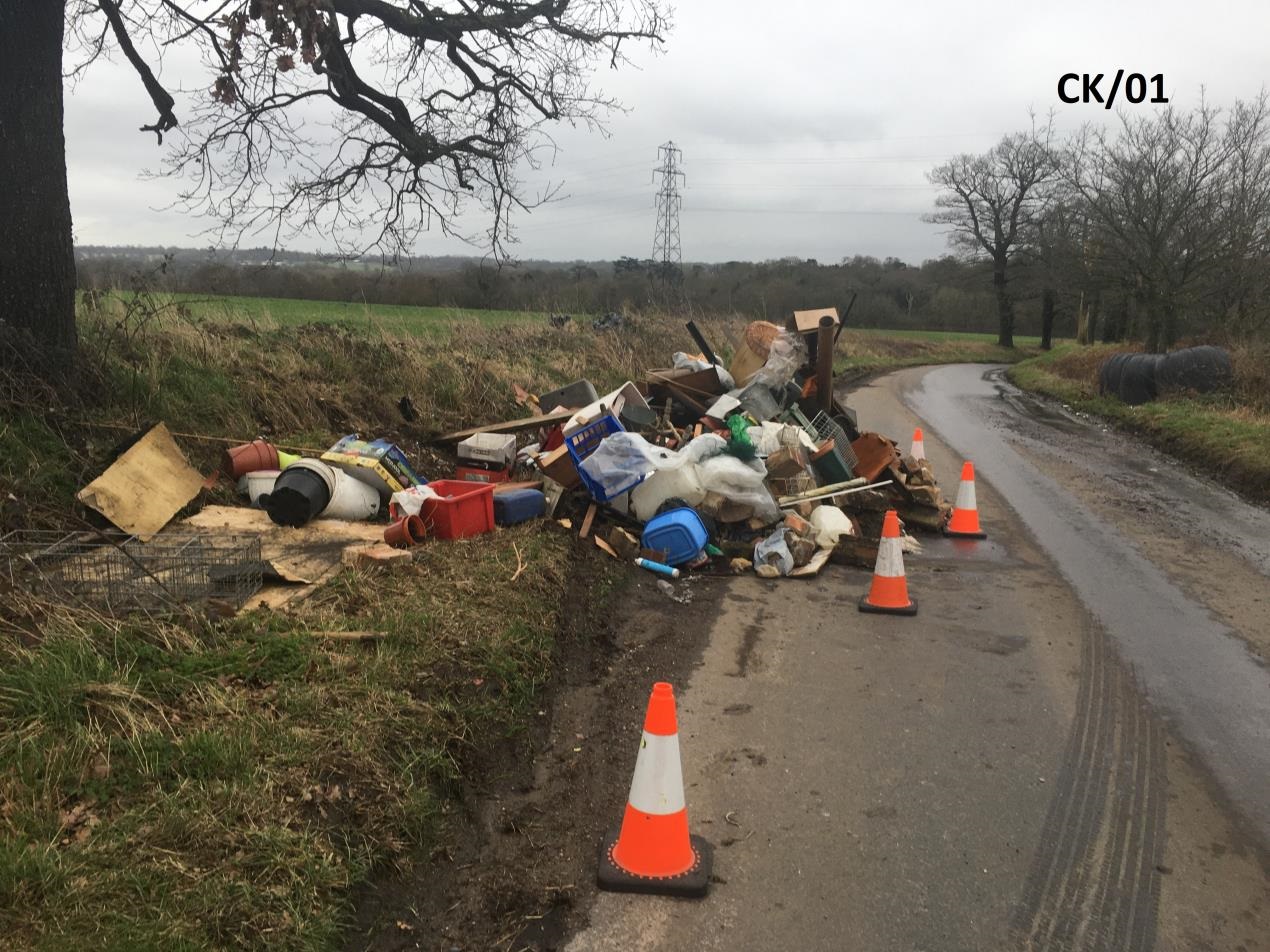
column 964, row 521
column 653, row 851
column 919, row 445
column 888, row 595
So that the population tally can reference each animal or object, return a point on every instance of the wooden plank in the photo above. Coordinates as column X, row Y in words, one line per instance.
column 512, row 487
column 508, row 426
column 587, row 520
column 349, row 635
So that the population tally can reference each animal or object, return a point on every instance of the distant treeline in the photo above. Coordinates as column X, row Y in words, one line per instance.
column 942, row 294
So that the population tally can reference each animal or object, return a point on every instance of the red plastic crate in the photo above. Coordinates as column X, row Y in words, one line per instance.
column 465, row 509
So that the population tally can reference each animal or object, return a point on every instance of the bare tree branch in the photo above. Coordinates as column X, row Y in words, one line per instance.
column 375, row 120
column 161, row 98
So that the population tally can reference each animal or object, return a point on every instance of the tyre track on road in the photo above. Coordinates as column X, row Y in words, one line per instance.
column 1094, row 883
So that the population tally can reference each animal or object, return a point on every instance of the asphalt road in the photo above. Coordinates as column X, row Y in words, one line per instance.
column 1065, row 750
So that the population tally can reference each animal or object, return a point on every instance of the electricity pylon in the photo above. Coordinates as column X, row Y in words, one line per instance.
column 666, row 240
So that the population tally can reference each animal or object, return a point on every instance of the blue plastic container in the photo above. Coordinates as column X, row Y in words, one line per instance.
column 679, row 533
column 518, row 505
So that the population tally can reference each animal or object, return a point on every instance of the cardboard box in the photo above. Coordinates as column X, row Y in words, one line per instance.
column 494, row 448
column 558, row 466
column 377, row 463
column 787, row 462
column 808, row 322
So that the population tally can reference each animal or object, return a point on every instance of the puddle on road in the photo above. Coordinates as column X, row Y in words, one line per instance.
column 942, row 548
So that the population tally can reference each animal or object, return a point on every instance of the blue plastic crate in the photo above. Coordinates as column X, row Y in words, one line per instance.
column 583, row 441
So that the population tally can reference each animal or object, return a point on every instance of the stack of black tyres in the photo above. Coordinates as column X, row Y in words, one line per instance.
column 1140, row 378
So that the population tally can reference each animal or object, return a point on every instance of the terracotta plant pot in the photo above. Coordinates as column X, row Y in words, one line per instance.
column 248, row 458
column 406, row 532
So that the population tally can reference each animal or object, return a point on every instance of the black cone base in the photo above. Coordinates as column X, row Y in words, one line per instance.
column 867, row 606
column 691, row 884
column 964, row 535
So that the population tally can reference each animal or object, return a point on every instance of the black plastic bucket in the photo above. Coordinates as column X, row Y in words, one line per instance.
column 298, row 496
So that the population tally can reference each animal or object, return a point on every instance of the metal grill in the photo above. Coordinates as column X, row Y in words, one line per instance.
column 127, row 575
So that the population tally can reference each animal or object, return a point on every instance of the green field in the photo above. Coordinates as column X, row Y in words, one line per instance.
column 411, row 319
column 1020, row 340
column 289, row 312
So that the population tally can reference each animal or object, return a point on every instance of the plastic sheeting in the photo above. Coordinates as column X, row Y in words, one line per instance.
column 624, row 455
column 1140, row 378
column 1131, row 377
column 1202, row 369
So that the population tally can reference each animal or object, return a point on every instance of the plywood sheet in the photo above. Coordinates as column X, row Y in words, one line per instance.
column 303, row 555
column 149, row 484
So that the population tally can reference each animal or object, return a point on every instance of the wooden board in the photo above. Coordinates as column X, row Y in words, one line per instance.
column 509, row 426
column 309, row 553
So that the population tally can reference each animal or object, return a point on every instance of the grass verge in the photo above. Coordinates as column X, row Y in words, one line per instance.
column 209, row 786
column 1225, row 434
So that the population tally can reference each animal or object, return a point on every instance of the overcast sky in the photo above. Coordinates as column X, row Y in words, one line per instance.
column 806, row 127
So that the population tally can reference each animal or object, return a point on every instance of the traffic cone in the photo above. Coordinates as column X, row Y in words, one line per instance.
column 653, row 851
column 964, row 521
column 919, row 445
column 888, row 595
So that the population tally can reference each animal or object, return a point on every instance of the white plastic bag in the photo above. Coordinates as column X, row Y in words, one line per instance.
column 774, row 552
column 677, row 475
column 409, row 501
column 770, row 436
column 830, row 523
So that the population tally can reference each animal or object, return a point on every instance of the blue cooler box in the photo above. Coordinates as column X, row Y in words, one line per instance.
column 518, row 505
column 679, row 533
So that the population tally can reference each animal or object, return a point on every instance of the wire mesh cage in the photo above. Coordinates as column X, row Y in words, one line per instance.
column 826, row 428
column 125, row 575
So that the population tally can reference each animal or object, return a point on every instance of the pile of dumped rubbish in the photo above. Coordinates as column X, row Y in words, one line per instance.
column 700, row 467
column 696, row 468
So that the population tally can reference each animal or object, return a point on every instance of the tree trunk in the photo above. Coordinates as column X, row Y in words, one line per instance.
column 37, row 256
column 1005, row 307
column 1047, row 319
column 1116, row 326
column 1168, row 324
column 1150, row 307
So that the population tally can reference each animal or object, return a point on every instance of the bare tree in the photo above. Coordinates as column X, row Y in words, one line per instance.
column 367, row 121
column 990, row 200
column 1154, row 196
column 1242, row 283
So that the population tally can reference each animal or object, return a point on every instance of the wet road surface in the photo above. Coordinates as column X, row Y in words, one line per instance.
column 1195, row 668
column 995, row 773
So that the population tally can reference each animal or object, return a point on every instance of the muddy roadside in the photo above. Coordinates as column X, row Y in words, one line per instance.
column 515, row 865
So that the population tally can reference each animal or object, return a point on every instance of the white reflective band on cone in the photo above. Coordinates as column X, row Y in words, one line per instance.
column 919, row 449
column 890, row 559
column 658, row 784
column 966, row 495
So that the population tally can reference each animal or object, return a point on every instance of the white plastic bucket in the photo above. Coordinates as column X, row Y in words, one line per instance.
column 350, row 499
column 256, row 484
